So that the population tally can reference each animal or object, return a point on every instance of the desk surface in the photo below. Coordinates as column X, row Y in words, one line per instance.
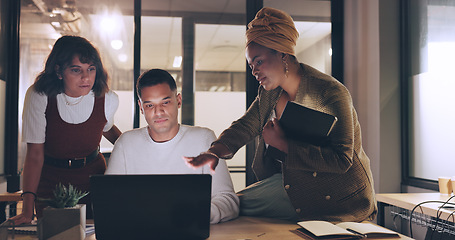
column 410, row 200
column 254, row 228
column 245, row 228
column 257, row 228
column 11, row 197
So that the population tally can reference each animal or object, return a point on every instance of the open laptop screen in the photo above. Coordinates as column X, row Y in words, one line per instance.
column 151, row 206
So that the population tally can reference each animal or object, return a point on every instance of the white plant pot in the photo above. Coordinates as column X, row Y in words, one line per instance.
column 63, row 223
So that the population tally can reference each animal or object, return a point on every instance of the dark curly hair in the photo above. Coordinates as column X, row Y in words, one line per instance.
column 62, row 54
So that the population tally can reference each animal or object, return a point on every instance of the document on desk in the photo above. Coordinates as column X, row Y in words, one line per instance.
column 23, row 229
column 344, row 230
column 26, row 229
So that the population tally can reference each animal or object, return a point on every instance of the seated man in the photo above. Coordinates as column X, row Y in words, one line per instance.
column 159, row 147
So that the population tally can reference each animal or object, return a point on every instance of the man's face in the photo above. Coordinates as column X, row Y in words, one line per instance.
column 160, row 108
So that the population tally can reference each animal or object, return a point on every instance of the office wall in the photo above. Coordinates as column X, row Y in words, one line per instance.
column 361, row 74
column 372, row 76
column 318, row 56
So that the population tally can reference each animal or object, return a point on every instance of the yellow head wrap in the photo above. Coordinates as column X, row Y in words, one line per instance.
column 273, row 28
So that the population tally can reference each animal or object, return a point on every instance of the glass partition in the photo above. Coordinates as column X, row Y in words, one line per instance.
column 161, row 47
column 430, row 46
column 2, row 123
column 220, row 96
column 212, row 45
column 313, row 22
column 3, row 66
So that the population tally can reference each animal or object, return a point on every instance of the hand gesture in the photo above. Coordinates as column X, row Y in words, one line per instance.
column 204, row 158
column 273, row 135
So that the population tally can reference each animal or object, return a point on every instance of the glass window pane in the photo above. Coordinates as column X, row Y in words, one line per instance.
column 220, row 96
column 216, row 57
column 161, row 47
column 431, row 49
column 2, row 121
column 312, row 20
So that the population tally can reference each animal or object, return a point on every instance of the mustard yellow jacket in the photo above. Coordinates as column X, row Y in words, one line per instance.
column 331, row 182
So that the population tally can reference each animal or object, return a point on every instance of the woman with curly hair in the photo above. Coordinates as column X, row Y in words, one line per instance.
column 66, row 112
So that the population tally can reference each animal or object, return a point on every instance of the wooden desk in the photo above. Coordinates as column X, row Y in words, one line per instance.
column 410, row 200
column 255, row 228
column 258, row 228
column 245, row 228
column 11, row 199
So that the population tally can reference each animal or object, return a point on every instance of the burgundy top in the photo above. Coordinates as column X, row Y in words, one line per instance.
column 67, row 140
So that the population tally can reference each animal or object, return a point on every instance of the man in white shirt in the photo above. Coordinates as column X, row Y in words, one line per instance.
column 159, row 148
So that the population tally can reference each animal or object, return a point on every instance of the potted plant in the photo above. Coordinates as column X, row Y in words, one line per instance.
column 64, row 218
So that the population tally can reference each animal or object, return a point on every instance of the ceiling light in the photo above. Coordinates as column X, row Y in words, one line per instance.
column 116, row 44
column 122, row 57
column 177, row 61
column 108, row 24
column 56, row 24
column 57, row 11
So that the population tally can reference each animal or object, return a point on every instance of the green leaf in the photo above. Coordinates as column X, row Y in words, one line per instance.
column 64, row 196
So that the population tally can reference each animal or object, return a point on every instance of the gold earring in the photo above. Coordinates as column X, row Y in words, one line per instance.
column 286, row 69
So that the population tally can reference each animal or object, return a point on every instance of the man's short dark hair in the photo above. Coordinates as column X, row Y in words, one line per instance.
column 154, row 77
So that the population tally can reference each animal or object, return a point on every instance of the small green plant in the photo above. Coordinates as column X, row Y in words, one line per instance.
column 64, row 197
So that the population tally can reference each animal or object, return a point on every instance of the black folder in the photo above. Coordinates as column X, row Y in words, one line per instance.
column 305, row 124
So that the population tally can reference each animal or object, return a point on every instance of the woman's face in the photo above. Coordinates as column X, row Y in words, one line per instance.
column 266, row 65
column 78, row 78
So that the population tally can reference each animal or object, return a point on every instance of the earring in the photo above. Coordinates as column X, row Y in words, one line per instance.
column 286, row 69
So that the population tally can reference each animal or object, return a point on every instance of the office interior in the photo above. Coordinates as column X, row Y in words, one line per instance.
column 394, row 62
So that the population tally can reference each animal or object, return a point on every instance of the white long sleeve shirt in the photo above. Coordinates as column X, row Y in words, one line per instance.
column 135, row 152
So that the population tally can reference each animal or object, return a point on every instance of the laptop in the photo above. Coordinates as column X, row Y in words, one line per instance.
column 151, row 206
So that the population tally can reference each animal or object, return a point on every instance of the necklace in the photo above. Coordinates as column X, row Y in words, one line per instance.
column 73, row 103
